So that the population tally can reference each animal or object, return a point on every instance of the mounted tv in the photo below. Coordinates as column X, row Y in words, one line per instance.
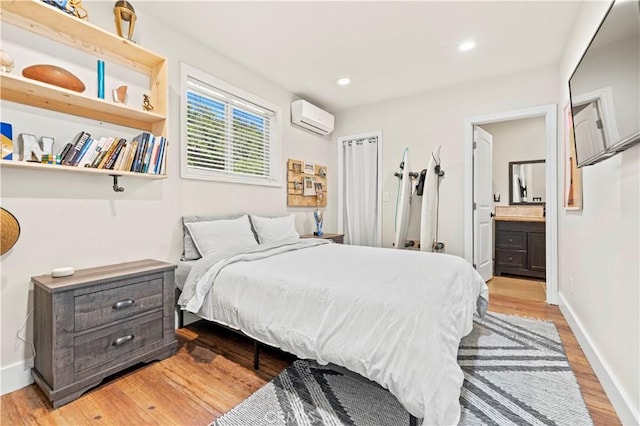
column 605, row 87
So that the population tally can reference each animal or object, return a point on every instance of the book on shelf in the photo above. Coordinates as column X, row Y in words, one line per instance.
column 143, row 141
column 123, row 153
column 78, row 142
column 159, row 162
column 131, row 156
column 63, row 152
column 105, row 153
column 147, row 155
column 94, row 150
column 163, row 164
column 114, row 154
column 83, row 151
column 154, row 155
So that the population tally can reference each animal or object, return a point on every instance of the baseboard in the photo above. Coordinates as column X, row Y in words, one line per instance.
column 14, row 377
column 619, row 398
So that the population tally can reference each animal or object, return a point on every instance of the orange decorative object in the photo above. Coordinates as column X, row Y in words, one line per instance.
column 57, row 76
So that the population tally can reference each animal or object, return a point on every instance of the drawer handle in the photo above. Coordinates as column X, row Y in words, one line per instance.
column 122, row 340
column 510, row 258
column 124, row 304
column 510, row 240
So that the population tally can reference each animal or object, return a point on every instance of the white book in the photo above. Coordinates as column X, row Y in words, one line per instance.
column 116, row 164
column 154, row 154
column 122, row 158
column 105, row 148
column 95, row 149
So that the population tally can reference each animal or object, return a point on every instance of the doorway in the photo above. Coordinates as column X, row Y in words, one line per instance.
column 548, row 112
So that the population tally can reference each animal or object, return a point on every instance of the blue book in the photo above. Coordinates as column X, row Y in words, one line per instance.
column 147, row 154
column 78, row 157
column 163, row 143
column 142, row 138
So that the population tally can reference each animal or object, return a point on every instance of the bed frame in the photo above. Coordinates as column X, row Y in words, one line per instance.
column 413, row 421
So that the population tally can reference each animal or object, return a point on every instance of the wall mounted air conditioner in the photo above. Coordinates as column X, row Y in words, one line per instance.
column 309, row 116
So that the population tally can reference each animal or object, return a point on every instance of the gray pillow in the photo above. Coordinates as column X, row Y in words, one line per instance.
column 190, row 252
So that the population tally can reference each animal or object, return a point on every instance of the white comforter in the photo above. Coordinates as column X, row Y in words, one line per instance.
column 393, row 316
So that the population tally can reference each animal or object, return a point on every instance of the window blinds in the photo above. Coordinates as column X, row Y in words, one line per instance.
column 227, row 134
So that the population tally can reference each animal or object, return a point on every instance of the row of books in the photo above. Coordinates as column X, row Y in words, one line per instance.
column 145, row 153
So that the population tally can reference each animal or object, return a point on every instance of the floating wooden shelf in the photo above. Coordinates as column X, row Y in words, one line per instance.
column 56, row 168
column 35, row 93
column 48, row 21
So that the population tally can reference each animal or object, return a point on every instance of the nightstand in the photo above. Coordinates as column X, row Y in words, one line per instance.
column 336, row 238
column 99, row 321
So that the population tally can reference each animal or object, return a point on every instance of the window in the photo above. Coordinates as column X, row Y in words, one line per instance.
column 227, row 133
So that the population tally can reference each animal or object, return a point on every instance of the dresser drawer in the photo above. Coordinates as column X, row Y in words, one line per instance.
column 101, row 346
column 106, row 306
column 511, row 259
column 511, row 240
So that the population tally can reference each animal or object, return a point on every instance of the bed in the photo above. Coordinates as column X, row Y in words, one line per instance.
column 393, row 316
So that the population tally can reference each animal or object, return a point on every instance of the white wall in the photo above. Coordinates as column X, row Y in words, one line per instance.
column 75, row 219
column 599, row 252
column 515, row 140
column 423, row 121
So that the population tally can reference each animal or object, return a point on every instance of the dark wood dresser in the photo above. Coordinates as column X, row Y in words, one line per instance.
column 520, row 248
column 99, row 321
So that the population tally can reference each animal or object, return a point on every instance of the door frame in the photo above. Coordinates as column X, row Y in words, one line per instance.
column 340, row 192
column 549, row 112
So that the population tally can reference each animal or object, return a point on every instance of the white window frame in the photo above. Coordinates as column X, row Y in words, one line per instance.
column 274, row 179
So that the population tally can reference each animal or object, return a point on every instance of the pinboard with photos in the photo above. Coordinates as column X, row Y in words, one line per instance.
column 306, row 184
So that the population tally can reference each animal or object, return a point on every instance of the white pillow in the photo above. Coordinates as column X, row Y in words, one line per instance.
column 271, row 229
column 190, row 252
column 218, row 236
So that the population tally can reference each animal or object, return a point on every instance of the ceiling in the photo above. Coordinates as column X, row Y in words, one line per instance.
column 388, row 49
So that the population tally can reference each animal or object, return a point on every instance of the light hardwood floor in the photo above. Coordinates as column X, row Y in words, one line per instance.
column 212, row 372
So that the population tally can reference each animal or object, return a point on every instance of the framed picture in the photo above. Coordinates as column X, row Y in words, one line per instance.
column 309, row 169
column 572, row 174
column 308, row 186
column 297, row 167
column 318, row 188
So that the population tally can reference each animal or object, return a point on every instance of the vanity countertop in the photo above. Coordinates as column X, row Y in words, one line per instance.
column 519, row 218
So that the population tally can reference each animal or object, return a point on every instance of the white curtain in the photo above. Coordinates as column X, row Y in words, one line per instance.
column 360, row 191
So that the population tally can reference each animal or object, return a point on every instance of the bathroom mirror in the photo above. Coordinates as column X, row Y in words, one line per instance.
column 527, row 182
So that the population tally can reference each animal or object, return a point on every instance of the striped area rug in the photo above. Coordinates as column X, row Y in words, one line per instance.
column 516, row 373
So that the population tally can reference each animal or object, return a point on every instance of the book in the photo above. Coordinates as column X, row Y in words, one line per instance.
column 121, row 157
column 94, row 151
column 114, row 154
column 147, row 156
column 143, row 139
column 91, row 153
column 154, row 154
column 103, row 152
column 132, row 154
column 63, row 152
column 164, row 158
column 77, row 146
column 83, row 151
column 109, row 154
column 161, row 150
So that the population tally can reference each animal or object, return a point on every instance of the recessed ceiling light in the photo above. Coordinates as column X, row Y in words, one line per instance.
column 344, row 81
column 467, row 45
